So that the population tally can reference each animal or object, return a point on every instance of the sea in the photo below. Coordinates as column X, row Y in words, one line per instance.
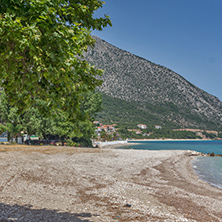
column 208, row 169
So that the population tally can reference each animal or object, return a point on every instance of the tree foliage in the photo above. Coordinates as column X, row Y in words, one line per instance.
column 41, row 47
column 33, row 122
column 3, row 129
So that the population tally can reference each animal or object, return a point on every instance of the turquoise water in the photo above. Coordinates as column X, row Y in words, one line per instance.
column 208, row 169
column 206, row 146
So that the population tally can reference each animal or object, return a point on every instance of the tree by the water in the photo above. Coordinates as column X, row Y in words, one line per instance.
column 41, row 53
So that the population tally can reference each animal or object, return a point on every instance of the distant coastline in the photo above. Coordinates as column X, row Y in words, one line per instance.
column 170, row 140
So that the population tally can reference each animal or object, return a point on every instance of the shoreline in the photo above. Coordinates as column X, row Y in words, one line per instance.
column 171, row 140
column 116, row 144
column 79, row 184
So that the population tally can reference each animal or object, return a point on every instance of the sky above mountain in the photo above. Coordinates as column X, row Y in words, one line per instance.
column 183, row 35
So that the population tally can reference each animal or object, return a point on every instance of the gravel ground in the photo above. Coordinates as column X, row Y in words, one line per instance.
column 80, row 184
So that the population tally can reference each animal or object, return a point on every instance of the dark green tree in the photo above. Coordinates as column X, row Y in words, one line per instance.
column 3, row 128
column 32, row 122
column 41, row 52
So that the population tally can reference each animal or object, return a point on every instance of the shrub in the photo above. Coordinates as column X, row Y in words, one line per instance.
column 72, row 143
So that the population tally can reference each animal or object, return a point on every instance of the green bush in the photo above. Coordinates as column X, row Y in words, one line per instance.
column 72, row 143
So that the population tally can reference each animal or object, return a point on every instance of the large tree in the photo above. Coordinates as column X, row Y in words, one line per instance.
column 32, row 122
column 41, row 48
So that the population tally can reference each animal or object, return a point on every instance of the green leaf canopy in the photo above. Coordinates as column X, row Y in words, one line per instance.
column 41, row 48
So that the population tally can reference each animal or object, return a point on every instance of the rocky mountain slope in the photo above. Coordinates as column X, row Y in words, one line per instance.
column 153, row 89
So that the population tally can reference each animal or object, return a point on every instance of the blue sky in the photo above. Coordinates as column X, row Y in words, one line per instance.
column 183, row 35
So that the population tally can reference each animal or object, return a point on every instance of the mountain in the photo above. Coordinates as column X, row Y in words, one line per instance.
column 137, row 90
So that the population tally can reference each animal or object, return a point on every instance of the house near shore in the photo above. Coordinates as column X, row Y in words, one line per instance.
column 142, row 126
column 98, row 130
column 138, row 132
column 97, row 123
column 135, row 130
column 107, row 128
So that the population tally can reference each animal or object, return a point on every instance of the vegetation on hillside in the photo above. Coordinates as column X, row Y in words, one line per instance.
column 149, row 93
column 130, row 113
column 157, row 134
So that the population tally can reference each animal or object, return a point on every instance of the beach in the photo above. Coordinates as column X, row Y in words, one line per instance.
column 84, row 184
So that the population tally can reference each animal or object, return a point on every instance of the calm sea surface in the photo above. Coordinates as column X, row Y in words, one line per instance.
column 208, row 169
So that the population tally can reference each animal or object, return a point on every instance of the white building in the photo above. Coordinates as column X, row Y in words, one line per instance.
column 142, row 126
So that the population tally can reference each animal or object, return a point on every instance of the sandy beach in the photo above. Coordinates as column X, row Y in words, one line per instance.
column 82, row 184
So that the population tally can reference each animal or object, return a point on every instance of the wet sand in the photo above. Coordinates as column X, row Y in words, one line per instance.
column 81, row 184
